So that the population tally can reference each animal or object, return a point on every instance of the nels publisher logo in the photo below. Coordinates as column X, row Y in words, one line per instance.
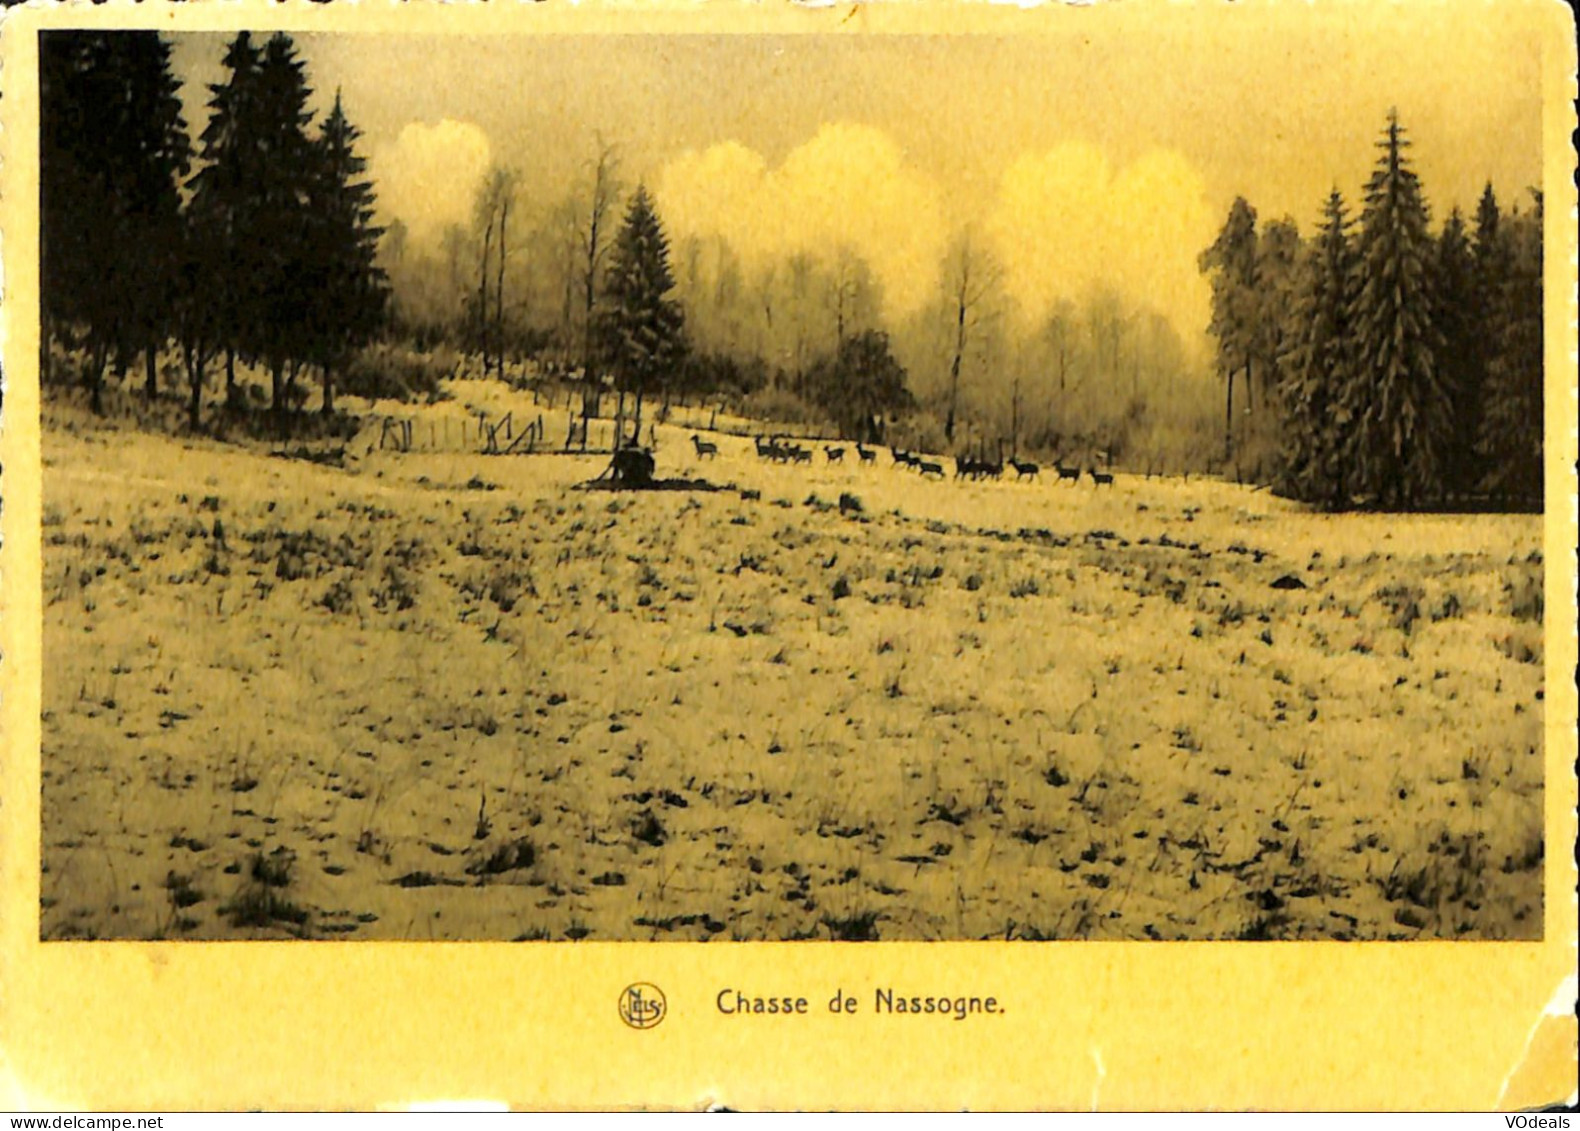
column 642, row 1005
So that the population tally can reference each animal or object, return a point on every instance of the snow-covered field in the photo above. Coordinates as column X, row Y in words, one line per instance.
column 446, row 695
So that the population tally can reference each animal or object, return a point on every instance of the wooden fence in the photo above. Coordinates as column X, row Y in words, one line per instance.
column 495, row 435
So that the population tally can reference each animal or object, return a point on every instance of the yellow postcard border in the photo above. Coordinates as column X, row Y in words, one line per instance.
column 1108, row 1025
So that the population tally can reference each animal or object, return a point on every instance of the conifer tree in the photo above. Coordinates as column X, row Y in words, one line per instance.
column 221, row 210
column 76, row 201
column 1458, row 321
column 158, row 152
column 1511, row 427
column 201, row 309
column 1319, row 364
column 349, row 288
column 281, row 224
column 643, row 329
column 1489, row 275
column 113, row 150
column 1487, row 247
column 1401, row 418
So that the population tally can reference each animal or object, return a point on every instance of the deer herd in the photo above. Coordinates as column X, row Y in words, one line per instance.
column 776, row 449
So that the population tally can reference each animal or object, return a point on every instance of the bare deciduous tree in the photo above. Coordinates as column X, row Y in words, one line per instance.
column 492, row 215
column 851, row 294
column 973, row 279
column 595, row 216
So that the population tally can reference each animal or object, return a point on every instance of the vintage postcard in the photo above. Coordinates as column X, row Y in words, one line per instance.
column 900, row 556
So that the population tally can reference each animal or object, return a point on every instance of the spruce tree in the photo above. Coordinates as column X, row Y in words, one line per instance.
column 281, row 222
column 75, row 204
column 1490, row 275
column 1401, row 418
column 1511, row 431
column 643, row 329
column 222, row 208
column 1457, row 320
column 113, row 150
column 1488, row 249
column 349, row 288
column 1319, row 363
column 200, row 307
column 158, row 154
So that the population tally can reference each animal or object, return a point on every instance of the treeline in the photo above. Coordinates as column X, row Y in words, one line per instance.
column 1379, row 363
column 255, row 244
column 520, row 289
column 534, row 289
column 1097, row 374
column 258, row 243
column 594, row 301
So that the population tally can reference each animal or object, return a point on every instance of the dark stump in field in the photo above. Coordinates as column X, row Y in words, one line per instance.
column 631, row 469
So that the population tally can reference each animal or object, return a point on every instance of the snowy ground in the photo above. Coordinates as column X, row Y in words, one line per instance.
column 445, row 695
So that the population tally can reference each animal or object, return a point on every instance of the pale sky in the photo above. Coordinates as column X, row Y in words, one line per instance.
column 1094, row 152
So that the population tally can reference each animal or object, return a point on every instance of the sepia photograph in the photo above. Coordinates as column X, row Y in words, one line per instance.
column 781, row 487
